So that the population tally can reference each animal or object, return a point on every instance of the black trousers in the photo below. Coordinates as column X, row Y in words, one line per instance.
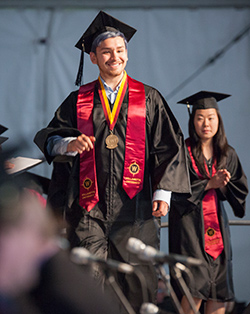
column 108, row 240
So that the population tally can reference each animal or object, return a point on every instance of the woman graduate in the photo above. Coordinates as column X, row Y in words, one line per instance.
column 198, row 226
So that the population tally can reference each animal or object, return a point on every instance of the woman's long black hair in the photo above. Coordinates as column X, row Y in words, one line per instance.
column 220, row 145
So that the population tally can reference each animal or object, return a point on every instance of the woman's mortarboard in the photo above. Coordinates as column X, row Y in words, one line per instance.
column 103, row 22
column 203, row 100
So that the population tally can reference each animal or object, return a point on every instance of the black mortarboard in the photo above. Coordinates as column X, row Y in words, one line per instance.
column 3, row 139
column 2, row 130
column 34, row 181
column 203, row 100
column 103, row 22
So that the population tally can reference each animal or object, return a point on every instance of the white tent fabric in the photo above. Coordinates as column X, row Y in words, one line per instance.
column 39, row 63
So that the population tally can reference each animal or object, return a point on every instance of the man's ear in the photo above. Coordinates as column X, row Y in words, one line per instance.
column 93, row 57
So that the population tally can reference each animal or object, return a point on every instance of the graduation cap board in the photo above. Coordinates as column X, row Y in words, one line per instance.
column 2, row 130
column 203, row 100
column 102, row 22
column 34, row 181
column 3, row 139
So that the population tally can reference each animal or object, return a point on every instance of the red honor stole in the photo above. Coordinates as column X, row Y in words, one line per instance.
column 135, row 137
column 88, row 194
column 134, row 162
column 213, row 238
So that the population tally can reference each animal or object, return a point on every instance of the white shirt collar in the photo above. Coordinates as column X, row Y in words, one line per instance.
column 111, row 94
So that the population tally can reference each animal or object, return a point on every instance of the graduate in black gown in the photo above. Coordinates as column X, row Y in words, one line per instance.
column 138, row 149
column 198, row 226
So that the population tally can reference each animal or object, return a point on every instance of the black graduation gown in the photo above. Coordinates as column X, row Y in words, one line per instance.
column 116, row 215
column 213, row 280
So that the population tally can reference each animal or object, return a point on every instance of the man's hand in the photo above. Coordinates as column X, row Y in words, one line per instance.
column 81, row 144
column 160, row 208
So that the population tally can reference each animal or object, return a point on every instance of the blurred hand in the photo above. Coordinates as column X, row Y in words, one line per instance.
column 8, row 165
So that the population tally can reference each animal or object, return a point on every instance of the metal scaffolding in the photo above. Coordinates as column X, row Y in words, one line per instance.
column 147, row 4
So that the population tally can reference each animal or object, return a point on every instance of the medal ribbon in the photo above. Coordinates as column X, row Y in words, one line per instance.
column 213, row 238
column 135, row 132
column 88, row 194
column 111, row 117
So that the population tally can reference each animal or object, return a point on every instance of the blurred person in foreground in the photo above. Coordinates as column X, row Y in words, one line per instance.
column 26, row 241
column 164, row 300
column 36, row 273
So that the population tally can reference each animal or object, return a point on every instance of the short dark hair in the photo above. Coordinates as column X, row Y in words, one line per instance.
column 106, row 35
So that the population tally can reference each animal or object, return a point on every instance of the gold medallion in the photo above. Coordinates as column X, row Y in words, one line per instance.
column 111, row 141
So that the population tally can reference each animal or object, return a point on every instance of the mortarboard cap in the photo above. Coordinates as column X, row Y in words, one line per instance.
column 3, row 139
column 2, row 130
column 103, row 22
column 34, row 181
column 203, row 100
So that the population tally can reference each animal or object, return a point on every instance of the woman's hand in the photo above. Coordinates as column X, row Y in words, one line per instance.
column 219, row 180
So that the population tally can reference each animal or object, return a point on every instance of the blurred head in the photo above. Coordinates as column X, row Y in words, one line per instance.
column 162, row 291
column 27, row 238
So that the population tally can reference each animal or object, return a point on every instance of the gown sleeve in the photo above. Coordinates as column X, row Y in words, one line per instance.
column 167, row 151
column 235, row 191
column 185, row 204
column 237, row 188
column 64, row 124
